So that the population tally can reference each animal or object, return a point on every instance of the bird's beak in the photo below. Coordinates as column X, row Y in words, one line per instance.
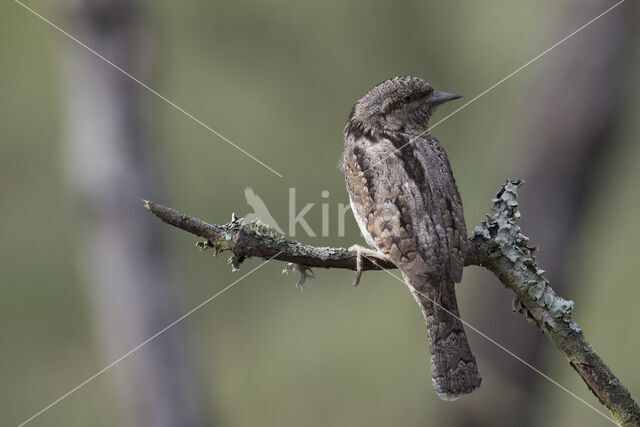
column 437, row 98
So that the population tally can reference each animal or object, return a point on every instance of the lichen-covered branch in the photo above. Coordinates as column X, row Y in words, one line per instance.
column 256, row 239
column 497, row 245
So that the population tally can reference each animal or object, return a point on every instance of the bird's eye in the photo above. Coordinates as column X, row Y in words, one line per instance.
column 407, row 98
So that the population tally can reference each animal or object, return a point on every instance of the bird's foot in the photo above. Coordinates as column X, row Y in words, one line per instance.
column 370, row 254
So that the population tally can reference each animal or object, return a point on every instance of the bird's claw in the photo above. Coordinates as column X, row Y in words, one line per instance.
column 360, row 253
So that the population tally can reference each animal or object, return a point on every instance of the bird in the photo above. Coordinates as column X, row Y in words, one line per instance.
column 406, row 202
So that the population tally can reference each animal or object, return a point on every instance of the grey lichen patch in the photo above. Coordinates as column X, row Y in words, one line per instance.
column 482, row 232
column 501, row 227
column 305, row 273
column 235, row 224
column 235, row 261
column 325, row 253
column 203, row 245
column 243, row 238
column 574, row 326
column 516, row 306
column 226, row 241
column 261, row 229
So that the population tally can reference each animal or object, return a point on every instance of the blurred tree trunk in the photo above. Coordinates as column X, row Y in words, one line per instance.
column 108, row 157
column 570, row 120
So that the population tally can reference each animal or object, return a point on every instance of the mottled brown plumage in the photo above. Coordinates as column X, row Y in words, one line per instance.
column 406, row 202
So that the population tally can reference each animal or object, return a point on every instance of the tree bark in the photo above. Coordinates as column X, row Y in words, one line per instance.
column 122, row 263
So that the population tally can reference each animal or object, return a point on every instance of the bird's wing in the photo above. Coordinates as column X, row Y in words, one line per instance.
column 409, row 203
column 444, row 192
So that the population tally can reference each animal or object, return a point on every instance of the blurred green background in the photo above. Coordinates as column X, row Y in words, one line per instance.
column 279, row 79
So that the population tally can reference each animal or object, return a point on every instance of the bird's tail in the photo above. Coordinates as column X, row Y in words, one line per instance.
column 453, row 367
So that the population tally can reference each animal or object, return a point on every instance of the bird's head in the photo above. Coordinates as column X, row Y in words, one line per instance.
column 400, row 104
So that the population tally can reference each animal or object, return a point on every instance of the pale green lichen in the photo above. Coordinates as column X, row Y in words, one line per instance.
column 258, row 229
column 261, row 229
column 325, row 253
column 225, row 242
column 502, row 228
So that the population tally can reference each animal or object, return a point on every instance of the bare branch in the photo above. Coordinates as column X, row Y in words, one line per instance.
column 497, row 245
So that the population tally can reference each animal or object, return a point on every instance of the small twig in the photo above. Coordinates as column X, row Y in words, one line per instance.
column 497, row 244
